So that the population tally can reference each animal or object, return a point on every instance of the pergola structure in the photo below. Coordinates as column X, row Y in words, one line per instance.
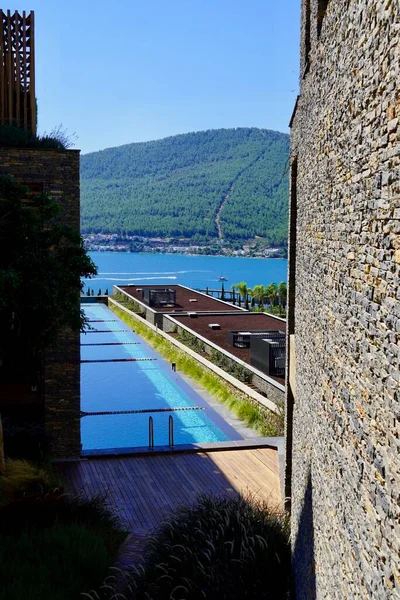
column 17, row 70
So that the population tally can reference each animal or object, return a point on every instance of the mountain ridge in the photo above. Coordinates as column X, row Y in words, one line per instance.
column 175, row 186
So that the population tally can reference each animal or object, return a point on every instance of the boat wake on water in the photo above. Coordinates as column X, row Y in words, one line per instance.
column 129, row 279
column 154, row 272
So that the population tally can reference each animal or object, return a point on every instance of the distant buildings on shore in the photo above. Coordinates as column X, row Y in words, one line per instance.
column 113, row 242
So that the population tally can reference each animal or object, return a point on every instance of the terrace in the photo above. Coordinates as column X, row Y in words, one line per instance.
column 143, row 490
column 219, row 330
column 181, row 299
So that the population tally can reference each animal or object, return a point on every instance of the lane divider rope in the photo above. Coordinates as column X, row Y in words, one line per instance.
column 112, row 344
column 104, row 360
column 102, row 320
column 107, row 331
column 138, row 411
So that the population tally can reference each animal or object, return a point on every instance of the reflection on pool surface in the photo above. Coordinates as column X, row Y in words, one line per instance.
column 136, row 385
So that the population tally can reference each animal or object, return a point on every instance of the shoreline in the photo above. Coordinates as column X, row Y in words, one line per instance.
column 117, row 250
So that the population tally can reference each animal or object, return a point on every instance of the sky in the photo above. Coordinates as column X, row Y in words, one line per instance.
column 131, row 71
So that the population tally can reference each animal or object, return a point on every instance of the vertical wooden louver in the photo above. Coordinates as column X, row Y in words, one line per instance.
column 17, row 70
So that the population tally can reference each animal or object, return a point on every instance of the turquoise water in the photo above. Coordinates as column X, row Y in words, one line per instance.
column 116, row 268
column 137, row 385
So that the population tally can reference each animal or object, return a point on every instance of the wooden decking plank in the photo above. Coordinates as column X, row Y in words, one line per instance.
column 169, row 479
column 110, row 469
column 136, row 482
column 210, row 475
column 144, row 490
column 268, row 459
column 174, row 478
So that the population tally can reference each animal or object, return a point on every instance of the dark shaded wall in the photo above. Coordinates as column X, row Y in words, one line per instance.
column 343, row 428
column 58, row 172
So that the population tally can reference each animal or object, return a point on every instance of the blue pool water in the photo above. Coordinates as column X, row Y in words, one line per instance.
column 136, row 385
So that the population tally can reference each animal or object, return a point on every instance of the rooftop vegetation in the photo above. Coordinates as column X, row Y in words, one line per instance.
column 18, row 137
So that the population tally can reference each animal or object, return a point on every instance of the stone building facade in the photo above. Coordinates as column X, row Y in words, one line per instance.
column 343, row 398
column 57, row 173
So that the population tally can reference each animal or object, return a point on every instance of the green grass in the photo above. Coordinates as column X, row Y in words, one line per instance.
column 263, row 422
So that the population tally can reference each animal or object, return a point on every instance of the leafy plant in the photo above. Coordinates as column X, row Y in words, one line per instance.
column 41, row 261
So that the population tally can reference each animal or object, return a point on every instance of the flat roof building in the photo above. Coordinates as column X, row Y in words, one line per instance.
column 180, row 299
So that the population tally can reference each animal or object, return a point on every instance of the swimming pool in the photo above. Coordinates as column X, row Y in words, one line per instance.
column 121, row 372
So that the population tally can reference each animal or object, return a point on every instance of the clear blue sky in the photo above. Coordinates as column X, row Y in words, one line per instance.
column 129, row 70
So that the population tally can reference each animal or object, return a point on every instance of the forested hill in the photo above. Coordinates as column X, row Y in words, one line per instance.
column 175, row 187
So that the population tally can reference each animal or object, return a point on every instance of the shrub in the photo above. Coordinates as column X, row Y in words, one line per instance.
column 24, row 478
column 54, row 545
column 57, row 563
column 48, row 509
column 25, row 440
column 18, row 137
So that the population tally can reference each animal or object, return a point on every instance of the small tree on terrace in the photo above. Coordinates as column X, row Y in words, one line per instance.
column 243, row 291
column 259, row 293
column 271, row 293
column 41, row 262
column 282, row 293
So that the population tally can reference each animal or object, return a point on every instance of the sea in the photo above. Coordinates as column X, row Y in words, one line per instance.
column 199, row 272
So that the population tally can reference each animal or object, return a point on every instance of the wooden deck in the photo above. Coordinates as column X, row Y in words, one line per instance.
column 143, row 490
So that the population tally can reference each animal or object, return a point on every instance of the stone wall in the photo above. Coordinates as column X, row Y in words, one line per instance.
column 57, row 172
column 345, row 303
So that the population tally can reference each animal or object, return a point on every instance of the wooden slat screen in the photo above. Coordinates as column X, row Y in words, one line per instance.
column 17, row 70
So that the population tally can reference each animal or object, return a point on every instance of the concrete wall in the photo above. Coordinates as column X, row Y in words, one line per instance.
column 58, row 171
column 345, row 305
column 148, row 313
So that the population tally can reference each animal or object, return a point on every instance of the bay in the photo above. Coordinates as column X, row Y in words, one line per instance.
column 118, row 268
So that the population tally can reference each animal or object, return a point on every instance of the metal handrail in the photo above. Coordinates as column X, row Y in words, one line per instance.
column 151, row 433
column 171, row 431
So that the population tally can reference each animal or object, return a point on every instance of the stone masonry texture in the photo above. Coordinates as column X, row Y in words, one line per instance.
column 58, row 172
column 344, row 298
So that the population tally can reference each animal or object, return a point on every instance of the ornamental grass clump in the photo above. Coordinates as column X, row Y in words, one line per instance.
column 23, row 478
column 220, row 549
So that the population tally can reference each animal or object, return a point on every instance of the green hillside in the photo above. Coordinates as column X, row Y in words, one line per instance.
column 175, row 187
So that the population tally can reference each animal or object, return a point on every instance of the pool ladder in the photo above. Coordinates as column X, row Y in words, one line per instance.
column 170, row 432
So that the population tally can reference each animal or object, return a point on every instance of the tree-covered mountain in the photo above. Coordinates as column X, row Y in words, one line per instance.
column 175, row 187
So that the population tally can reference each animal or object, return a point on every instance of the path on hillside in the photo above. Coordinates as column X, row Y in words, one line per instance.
column 225, row 198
